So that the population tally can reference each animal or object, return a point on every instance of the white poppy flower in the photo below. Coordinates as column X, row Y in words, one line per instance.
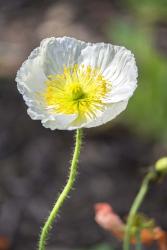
column 70, row 84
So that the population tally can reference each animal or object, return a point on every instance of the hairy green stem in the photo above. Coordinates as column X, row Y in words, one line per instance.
column 135, row 207
column 72, row 176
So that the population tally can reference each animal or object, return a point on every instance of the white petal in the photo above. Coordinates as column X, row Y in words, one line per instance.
column 52, row 53
column 123, row 78
column 30, row 78
column 58, row 121
column 117, row 65
column 36, row 113
column 30, row 81
column 112, row 110
column 97, row 55
column 52, row 121
column 59, row 52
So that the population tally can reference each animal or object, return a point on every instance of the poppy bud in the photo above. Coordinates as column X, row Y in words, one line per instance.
column 161, row 165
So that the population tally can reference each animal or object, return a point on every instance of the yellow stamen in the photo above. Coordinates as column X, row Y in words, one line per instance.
column 78, row 90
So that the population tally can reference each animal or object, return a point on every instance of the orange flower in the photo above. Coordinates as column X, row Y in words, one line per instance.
column 110, row 221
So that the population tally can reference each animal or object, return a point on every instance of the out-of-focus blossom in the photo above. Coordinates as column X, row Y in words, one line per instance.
column 110, row 221
column 107, row 219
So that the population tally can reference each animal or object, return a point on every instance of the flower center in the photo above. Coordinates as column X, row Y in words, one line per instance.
column 78, row 90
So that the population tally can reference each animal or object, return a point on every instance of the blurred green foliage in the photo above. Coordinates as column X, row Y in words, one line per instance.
column 147, row 10
column 100, row 247
column 147, row 110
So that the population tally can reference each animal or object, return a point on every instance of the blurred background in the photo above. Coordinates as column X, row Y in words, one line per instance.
column 34, row 161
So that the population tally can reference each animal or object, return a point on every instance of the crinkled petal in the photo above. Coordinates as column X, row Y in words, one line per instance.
column 52, row 54
column 59, row 52
column 30, row 82
column 117, row 65
column 52, row 121
column 30, row 77
column 112, row 110
column 59, row 121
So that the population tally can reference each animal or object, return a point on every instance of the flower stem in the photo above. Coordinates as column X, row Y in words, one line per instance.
column 138, row 240
column 72, row 176
column 135, row 207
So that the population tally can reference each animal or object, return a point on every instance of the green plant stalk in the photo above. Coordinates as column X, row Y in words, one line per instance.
column 72, row 176
column 138, row 240
column 135, row 207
